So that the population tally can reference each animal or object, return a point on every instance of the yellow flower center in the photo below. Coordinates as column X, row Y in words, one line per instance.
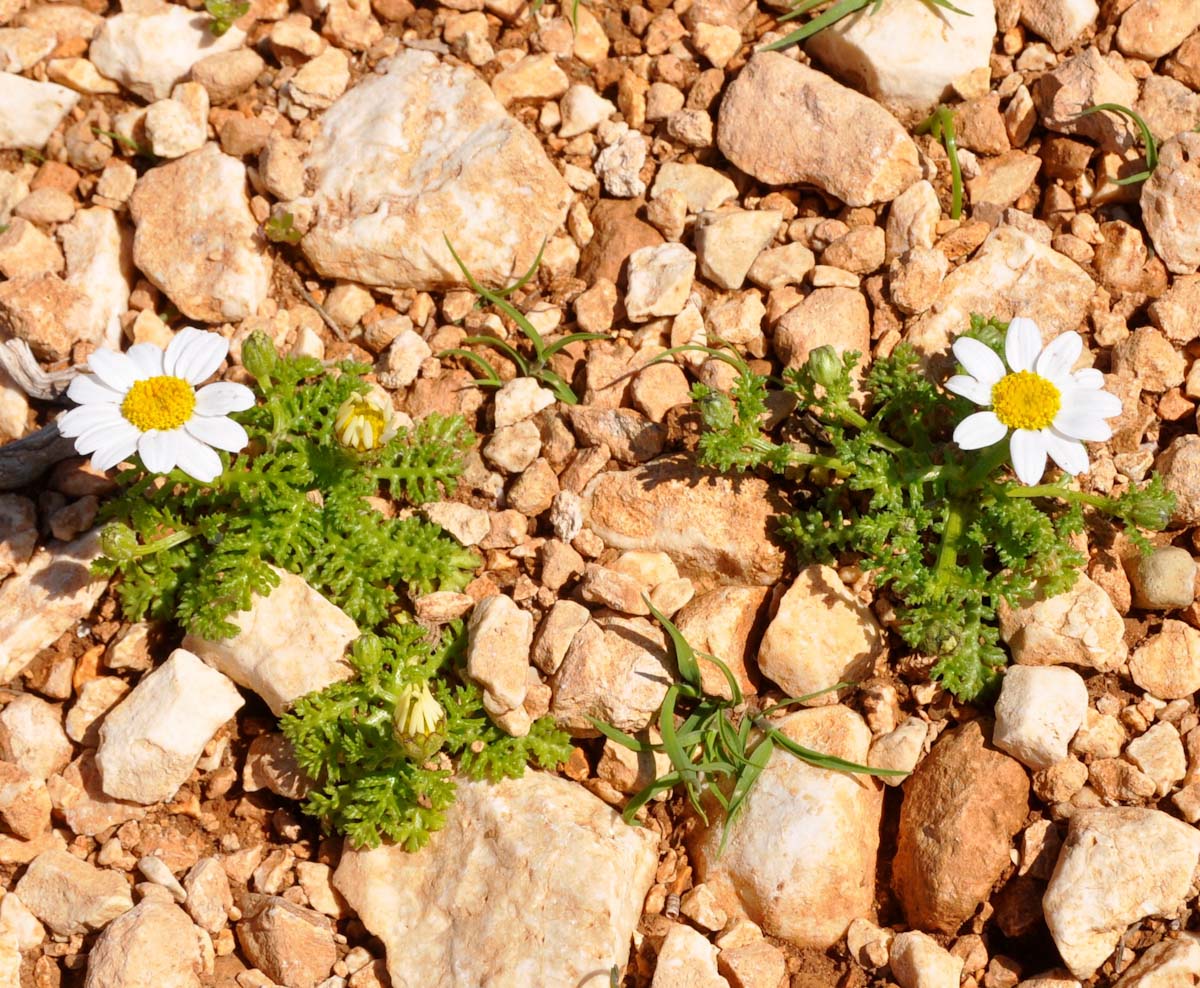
column 361, row 423
column 1025, row 401
column 159, row 403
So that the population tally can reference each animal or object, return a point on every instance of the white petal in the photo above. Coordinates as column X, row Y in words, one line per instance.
column 197, row 460
column 1028, row 451
column 87, row 390
column 98, row 436
column 158, row 448
column 195, row 355
column 979, row 430
column 147, row 358
column 979, row 359
column 1067, row 453
column 218, row 431
column 1060, row 355
column 1022, row 344
column 969, row 388
column 223, row 397
column 1099, row 403
column 114, row 369
column 87, row 417
column 120, row 447
column 1077, row 425
column 1089, row 379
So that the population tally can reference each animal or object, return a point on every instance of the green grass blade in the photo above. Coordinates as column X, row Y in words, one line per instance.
column 820, row 760
column 800, row 9
column 670, row 741
column 685, row 657
column 619, row 736
column 499, row 301
column 1148, row 140
column 491, row 378
column 553, row 348
column 793, row 701
column 642, row 797
column 734, row 689
column 562, row 390
column 504, row 347
column 844, row 8
column 525, row 278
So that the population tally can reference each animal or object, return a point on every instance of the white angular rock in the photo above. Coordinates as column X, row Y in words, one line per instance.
column 71, row 896
column 908, row 53
column 1084, row 80
column 45, row 599
column 1159, row 754
column 1117, row 866
column 912, row 220
column 1150, row 29
column 728, row 242
column 499, row 635
column 1060, row 22
column 704, row 188
column 820, row 635
column 179, row 125
column 32, row 736
column 836, row 139
column 150, row 49
column 800, row 858
column 919, row 961
column 619, row 165
column 1080, row 627
column 659, row 281
column 582, row 110
column 520, row 399
column 153, row 944
column 687, row 960
column 1039, row 710
column 32, row 110
column 900, row 749
column 196, row 238
column 1164, row 965
column 436, row 154
column 1013, row 274
column 289, row 643
column 1171, row 203
column 151, row 741
column 497, row 845
column 99, row 254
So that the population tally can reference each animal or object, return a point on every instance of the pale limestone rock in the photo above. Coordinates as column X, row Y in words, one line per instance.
column 227, row 75
column 687, row 960
column 1117, row 866
column 721, row 623
column 47, row 313
column 80, row 75
column 151, row 49
column 1165, row 964
column 1080, row 627
column 1171, row 204
column 659, row 281
column 704, row 188
column 152, row 944
column 436, row 155
column 48, row 597
column 32, row 736
column 520, row 399
column 155, row 870
column 1039, row 710
column 496, row 843
column 1150, row 29
column 1167, row 664
column 151, row 742
column 24, row 802
column 727, row 243
column 401, row 364
column 179, row 125
column 26, row 252
column 800, row 858
column 1060, row 22
column 71, row 896
column 320, row 82
column 1013, row 274
column 1085, row 80
column 619, row 165
column 912, row 220
column 499, row 636
column 919, row 961
column 18, row 524
column 899, row 749
column 289, row 643
column 1165, row 579
column 469, row 525
column 20, row 923
column 836, row 139
column 83, row 804
column 1159, row 754
column 290, row 944
column 32, row 110
column 907, row 54
column 777, row 267
column 616, row 669
column 22, row 48
column 717, row 530
column 836, row 317
column 533, row 77
column 94, row 700
column 219, row 271
column 820, row 635
column 555, row 634
column 99, row 255
column 582, row 110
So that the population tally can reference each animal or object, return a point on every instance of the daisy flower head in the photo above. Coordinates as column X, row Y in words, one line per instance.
column 146, row 401
column 1049, row 409
column 366, row 421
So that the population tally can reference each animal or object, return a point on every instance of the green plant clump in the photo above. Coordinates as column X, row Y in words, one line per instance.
column 224, row 13
column 281, row 229
column 948, row 535
column 719, row 747
column 197, row 552
column 345, row 737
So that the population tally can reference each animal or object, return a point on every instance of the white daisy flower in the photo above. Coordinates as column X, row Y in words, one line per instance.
column 366, row 421
column 145, row 401
column 1049, row 408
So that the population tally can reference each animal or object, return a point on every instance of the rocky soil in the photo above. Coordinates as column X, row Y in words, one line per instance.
column 686, row 188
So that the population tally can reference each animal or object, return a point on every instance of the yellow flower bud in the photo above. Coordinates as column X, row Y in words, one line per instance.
column 365, row 422
column 417, row 721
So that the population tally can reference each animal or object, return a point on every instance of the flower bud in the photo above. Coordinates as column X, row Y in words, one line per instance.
column 826, row 366
column 365, row 422
column 259, row 356
column 119, row 542
column 418, row 722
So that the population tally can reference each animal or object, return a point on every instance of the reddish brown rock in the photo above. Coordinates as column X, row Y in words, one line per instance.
column 961, row 809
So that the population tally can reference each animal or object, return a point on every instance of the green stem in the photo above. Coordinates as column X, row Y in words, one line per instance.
column 1053, row 490
column 947, row 560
